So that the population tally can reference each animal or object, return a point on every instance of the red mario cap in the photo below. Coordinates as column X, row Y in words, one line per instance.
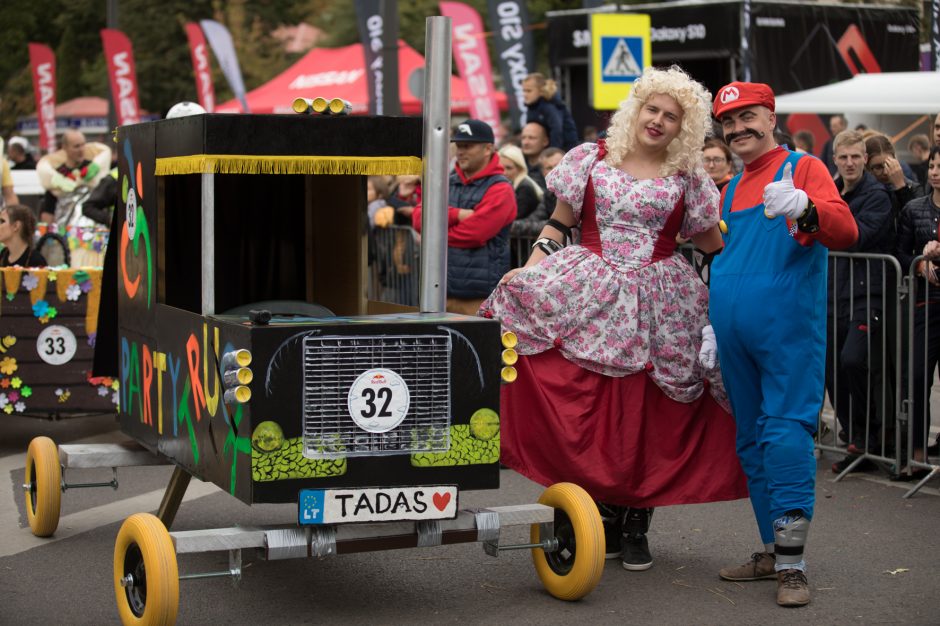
column 738, row 95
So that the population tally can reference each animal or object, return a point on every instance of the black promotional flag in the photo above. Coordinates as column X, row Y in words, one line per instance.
column 509, row 21
column 378, row 30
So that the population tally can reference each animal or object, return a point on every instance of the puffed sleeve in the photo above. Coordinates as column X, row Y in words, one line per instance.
column 701, row 203
column 569, row 178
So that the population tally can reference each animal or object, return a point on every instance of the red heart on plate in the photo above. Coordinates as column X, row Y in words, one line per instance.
column 441, row 500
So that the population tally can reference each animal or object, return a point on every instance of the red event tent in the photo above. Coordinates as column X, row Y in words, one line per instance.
column 341, row 73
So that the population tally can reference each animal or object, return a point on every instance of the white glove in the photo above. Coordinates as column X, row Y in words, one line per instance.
column 708, row 355
column 782, row 198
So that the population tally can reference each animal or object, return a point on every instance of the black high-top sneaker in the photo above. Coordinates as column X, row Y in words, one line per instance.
column 612, row 518
column 635, row 554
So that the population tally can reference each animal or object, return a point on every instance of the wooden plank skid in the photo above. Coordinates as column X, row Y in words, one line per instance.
column 90, row 455
column 218, row 539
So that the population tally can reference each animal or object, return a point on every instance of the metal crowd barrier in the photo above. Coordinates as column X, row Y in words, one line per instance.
column 394, row 265
column 897, row 358
column 922, row 369
column 878, row 433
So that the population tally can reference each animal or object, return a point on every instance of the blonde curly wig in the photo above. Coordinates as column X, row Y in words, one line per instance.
column 684, row 153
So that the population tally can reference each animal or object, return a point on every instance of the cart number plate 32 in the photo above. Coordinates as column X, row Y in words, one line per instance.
column 339, row 506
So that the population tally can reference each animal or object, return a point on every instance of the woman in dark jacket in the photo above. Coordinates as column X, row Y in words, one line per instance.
column 17, row 225
column 918, row 235
column 543, row 105
column 528, row 193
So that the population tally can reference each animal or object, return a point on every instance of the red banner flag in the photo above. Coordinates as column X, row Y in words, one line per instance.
column 42, row 62
column 200, row 55
column 120, row 57
column 473, row 62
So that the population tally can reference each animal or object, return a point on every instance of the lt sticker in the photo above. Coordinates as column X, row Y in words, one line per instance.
column 378, row 401
column 56, row 345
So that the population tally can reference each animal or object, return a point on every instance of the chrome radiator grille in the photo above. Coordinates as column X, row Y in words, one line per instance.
column 331, row 366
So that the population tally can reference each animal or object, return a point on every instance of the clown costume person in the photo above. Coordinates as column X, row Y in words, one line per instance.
column 610, row 394
column 768, row 311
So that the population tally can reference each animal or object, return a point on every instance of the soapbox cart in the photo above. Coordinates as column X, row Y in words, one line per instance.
column 372, row 418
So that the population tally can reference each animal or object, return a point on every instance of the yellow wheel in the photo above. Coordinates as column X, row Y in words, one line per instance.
column 572, row 570
column 43, row 486
column 146, row 579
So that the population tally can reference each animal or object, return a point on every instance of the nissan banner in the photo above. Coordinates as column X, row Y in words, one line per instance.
column 473, row 62
column 42, row 63
column 200, row 55
column 122, row 75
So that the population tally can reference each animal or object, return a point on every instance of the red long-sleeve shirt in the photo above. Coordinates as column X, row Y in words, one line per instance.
column 837, row 227
column 495, row 211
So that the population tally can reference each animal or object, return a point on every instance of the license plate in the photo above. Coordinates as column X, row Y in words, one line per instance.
column 386, row 504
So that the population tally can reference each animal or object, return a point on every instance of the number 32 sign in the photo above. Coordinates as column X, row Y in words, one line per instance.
column 378, row 401
column 56, row 345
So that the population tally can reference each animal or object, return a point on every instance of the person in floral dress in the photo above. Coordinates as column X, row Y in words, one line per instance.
column 610, row 394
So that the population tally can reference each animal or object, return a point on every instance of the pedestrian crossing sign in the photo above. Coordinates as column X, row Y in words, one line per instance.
column 620, row 49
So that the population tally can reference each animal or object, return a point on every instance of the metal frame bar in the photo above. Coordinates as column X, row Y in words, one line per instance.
column 918, row 421
column 433, row 285
column 208, row 244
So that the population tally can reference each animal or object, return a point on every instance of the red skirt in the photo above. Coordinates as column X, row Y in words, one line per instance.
column 621, row 439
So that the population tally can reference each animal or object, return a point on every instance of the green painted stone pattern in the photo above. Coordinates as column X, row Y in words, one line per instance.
column 465, row 449
column 288, row 463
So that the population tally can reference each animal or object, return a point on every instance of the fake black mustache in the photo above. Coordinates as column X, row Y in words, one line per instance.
column 747, row 131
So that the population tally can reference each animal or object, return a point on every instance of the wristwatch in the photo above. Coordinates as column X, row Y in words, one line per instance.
column 808, row 222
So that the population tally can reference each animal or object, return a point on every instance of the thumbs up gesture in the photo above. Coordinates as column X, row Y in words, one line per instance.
column 782, row 198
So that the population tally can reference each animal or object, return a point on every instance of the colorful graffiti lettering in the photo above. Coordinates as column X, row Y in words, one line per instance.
column 183, row 416
column 235, row 442
column 132, row 195
column 190, row 396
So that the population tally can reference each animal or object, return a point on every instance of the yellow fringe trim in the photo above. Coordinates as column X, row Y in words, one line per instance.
column 249, row 164
column 11, row 279
column 39, row 293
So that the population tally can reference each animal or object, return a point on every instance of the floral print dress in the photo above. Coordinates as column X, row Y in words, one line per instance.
column 624, row 306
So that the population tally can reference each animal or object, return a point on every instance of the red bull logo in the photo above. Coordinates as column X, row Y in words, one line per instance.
column 378, row 379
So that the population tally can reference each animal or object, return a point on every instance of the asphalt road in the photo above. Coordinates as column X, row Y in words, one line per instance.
column 873, row 560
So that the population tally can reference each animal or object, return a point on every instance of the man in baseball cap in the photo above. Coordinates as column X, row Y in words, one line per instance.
column 768, row 313
column 482, row 207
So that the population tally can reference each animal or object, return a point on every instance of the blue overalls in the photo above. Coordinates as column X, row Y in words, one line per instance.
column 768, row 310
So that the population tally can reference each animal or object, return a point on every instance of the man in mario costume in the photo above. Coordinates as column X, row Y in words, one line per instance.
column 768, row 315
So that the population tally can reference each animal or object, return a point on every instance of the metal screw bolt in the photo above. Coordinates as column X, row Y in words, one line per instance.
column 127, row 581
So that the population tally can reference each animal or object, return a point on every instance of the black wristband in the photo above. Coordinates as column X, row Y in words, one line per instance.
column 809, row 221
column 563, row 229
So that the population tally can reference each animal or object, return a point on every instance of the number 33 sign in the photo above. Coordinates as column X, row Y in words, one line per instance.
column 378, row 400
column 56, row 345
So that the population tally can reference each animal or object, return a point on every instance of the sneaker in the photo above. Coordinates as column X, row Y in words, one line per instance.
column 611, row 518
column 636, row 555
column 792, row 588
column 760, row 567
column 613, row 548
